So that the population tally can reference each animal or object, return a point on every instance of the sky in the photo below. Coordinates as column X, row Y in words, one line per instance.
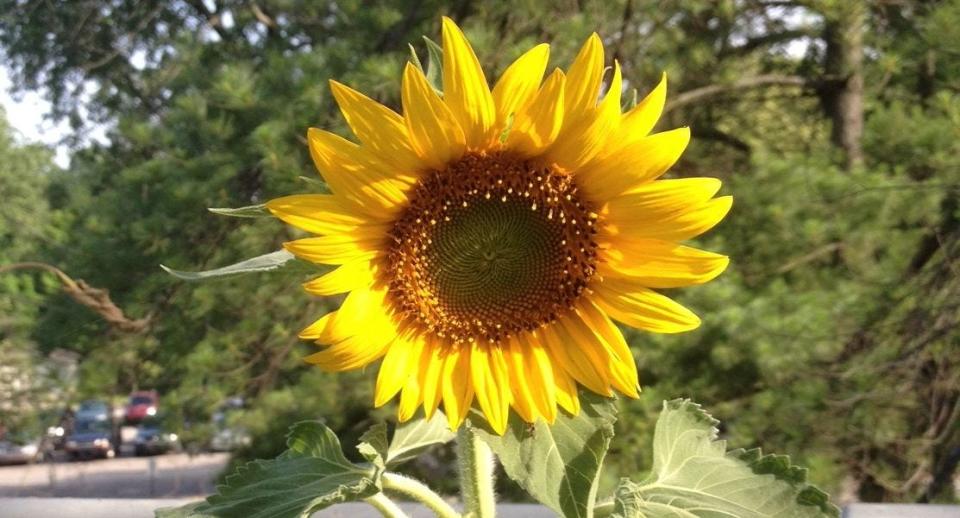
column 26, row 115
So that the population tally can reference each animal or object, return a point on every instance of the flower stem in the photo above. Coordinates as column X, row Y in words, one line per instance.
column 386, row 506
column 476, row 473
column 420, row 492
column 603, row 509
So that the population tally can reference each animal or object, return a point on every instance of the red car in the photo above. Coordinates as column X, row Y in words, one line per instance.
column 142, row 404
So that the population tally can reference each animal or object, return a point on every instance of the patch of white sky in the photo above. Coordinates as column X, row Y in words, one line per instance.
column 27, row 114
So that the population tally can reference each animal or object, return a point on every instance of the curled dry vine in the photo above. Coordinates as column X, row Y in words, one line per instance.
column 97, row 299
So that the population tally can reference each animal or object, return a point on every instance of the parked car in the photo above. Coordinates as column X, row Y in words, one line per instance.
column 91, row 439
column 93, row 410
column 229, row 439
column 142, row 404
column 153, row 439
column 20, row 450
column 227, row 435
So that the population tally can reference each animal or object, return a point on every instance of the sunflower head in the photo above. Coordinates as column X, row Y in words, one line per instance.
column 488, row 238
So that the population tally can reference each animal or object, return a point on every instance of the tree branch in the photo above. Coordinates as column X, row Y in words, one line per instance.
column 96, row 299
column 210, row 17
column 706, row 92
column 765, row 40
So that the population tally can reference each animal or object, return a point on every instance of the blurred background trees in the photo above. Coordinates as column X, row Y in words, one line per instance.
column 834, row 124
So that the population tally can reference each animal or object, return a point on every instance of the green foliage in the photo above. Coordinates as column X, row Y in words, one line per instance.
column 832, row 335
column 30, row 389
column 311, row 475
column 412, row 438
column 558, row 464
column 694, row 475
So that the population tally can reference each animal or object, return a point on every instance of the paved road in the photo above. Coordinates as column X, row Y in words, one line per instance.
column 173, row 475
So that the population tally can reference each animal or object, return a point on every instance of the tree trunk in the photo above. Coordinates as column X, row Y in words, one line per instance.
column 843, row 95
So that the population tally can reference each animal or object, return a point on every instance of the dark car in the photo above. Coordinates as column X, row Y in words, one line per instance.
column 93, row 410
column 90, row 439
column 153, row 439
column 142, row 404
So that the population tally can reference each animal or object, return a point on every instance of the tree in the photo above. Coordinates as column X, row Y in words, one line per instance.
column 27, row 384
column 832, row 336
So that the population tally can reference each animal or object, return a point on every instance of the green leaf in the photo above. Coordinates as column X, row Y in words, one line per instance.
column 627, row 501
column 251, row 211
column 434, row 65
column 695, row 477
column 414, row 58
column 185, row 511
column 373, row 444
column 558, row 465
column 413, row 437
column 315, row 183
column 262, row 263
column 311, row 475
column 630, row 102
column 506, row 129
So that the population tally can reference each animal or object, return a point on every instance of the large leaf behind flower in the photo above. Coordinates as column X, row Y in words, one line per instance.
column 274, row 261
column 559, row 464
column 410, row 439
column 311, row 475
column 695, row 477
column 261, row 263
column 414, row 437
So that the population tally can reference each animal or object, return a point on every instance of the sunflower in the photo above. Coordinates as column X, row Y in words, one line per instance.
column 488, row 239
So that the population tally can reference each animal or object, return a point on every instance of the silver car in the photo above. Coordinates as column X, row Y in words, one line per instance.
column 16, row 452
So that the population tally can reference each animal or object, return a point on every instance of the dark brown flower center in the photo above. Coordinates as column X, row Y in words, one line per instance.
column 489, row 247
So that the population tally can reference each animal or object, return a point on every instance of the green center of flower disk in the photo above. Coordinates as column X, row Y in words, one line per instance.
column 488, row 247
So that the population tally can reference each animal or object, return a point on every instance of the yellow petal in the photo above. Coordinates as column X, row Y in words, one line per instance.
column 379, row 128
column 353, row 345
column 539, row 374
column 598, row 352
column 567, row 397
column 432, row 364
column 520, row 82
column 363, row 310
column 521, row 387
column 352, row 353
column 465, row 89
column 337, row 248
column 348, row 277
column 622, row 366
column 582, row 138
column 634, row 165
column 653, row 263
column 670, row 226
column 537, row 125
column 353, row 174
column 565, row 351
column 399, row 364
column 664, row 197
column 640, row 120
column 491, row 384
column 412, row 393
column 644, row 309
column 583, row 79
column 317, row 213
column 457, row 386
column 321, row 330
column 435, row 132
